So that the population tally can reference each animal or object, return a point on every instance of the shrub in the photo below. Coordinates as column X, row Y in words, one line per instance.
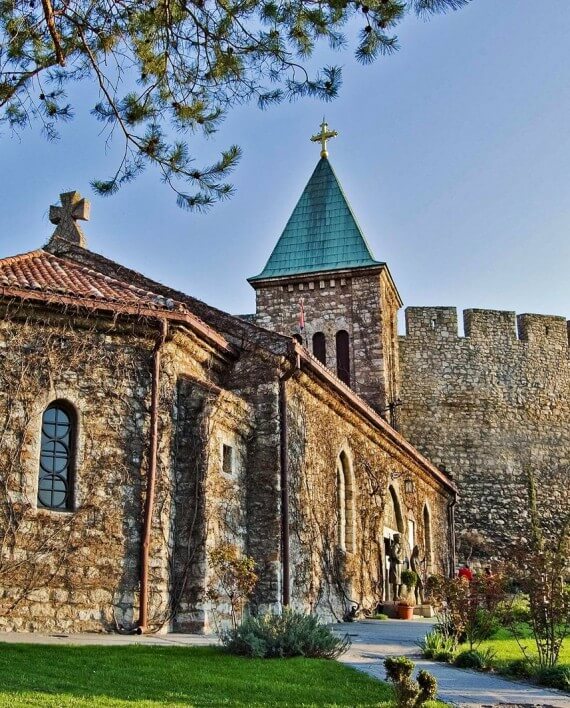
column 435, row 643
column 409, row 693
column 289, row 634
column 380, row 616
column 467, row 609
column 444, row 655
column 518, row 668
column 486, row 624
column 513, row 611
column 409, row 579
column 555, row 677
column 475, row 659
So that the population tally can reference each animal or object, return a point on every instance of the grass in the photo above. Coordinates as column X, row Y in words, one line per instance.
column 507, row 649
column 152, row 676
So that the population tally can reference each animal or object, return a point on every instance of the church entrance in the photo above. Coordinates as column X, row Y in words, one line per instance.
column 393, row 524
column 388, row 536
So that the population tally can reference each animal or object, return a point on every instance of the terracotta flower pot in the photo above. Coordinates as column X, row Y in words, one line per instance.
column 405, row 612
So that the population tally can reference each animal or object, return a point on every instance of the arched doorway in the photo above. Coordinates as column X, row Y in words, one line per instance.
column 393, row 524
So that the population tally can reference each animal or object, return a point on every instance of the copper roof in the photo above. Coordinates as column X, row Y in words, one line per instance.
column 42, row 271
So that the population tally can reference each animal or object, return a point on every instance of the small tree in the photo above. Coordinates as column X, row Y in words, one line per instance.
column 233, row 579
column 468, row 610
column 541, row 572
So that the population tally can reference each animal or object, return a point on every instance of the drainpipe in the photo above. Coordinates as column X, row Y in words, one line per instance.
column 451, row 526
column 151, row 477
column 284, row 478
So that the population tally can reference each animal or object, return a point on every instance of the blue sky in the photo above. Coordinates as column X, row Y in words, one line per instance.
column 454, row 153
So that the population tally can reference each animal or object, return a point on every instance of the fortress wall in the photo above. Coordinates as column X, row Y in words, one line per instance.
column 490, row 407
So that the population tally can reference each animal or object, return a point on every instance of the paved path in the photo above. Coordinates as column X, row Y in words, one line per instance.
column 372, row 641
column 108, row 639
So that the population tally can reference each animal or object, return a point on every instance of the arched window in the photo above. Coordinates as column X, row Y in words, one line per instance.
column 343, row 356
column 427, row 538
column 320, row 347
column 55, row 482
column 345, row 504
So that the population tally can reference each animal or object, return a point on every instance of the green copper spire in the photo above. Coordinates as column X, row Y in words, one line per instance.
column 322, row 233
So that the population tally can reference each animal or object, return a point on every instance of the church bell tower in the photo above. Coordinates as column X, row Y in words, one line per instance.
column 323, row 286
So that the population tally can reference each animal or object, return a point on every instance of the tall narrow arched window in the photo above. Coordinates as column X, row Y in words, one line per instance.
column 345, row 504
column 320, row 347
column 55, row 479
column 427, row 538
column 343, row 356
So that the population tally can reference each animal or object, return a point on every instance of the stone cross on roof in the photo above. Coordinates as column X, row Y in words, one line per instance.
column 73, row 207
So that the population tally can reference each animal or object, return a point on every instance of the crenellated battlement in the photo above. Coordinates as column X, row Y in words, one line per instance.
column 493, row 326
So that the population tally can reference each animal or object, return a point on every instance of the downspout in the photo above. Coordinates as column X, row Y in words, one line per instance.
column 151, row 477
column 284, row 479
column 451, row 527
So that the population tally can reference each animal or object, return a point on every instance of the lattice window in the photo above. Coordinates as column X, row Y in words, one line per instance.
column 55, row 484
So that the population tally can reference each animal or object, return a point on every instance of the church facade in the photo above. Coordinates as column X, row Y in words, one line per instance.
column 142, row 429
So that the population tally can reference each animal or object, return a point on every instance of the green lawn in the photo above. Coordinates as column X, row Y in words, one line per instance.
column 507, row 649
column 145, row 676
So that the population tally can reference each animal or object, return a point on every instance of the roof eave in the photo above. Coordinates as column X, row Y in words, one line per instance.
column 212, row 337
column 365, row 269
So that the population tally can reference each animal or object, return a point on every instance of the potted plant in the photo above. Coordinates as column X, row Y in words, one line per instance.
column 407, row 601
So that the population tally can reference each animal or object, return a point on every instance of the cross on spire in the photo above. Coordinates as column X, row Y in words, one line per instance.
column 323, row 136
column 73, row 207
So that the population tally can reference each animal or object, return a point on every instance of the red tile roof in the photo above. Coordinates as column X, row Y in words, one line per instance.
column 40, row 271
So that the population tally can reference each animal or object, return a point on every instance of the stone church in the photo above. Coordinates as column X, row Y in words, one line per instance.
column 142, row 428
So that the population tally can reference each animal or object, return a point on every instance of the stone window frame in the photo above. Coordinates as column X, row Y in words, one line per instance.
column 72, row 412
column 228, row 458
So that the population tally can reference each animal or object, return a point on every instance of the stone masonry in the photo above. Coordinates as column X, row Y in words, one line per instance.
column 491, row 407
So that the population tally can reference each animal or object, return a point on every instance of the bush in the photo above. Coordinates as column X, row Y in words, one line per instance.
column 518, row 668
column 289, row 634
column 380, row 616
column 475, row 659
column 555, row 677
column 409, row 693
column 513, row 611
column 409, row 579
column 436, row 644
column 485, row 624
column 444, row 655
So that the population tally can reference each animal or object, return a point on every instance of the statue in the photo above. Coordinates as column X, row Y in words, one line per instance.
column 416, row 566
column 396, row 562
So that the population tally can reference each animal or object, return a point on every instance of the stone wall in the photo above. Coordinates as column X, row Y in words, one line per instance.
column 492, row 407
column 332, row 569
column 362, row 303
column 79, row 570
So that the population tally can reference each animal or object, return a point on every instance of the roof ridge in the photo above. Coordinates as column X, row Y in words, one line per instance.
column 351, row 210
